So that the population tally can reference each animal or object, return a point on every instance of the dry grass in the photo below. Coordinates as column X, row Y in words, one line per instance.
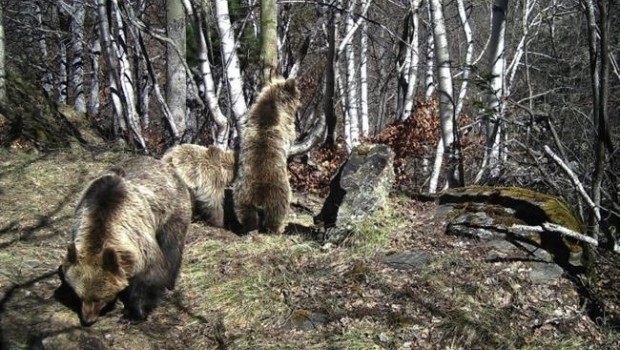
column 282, row 292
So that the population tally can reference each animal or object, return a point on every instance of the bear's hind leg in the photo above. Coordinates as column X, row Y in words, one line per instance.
column 274, row 219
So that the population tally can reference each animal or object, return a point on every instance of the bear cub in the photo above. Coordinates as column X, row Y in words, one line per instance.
column 206, row 171
column 261, row 191
column 127, row 241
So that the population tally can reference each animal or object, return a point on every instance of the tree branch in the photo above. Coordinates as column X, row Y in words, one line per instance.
column 580, row 189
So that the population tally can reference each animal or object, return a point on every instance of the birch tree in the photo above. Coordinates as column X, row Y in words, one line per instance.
column 63, row 65
column 496, row 94
column 429, row 76
column 176, row 86
column 206, row 75
column 76, row 81
column 469, row 54
column 364, row 80
column 115, row 53
column 446, row 101
column 230, row 60
column 47, row 78
column 352, row 103
column 93, row 95
column 599, row 71
column 413, row 57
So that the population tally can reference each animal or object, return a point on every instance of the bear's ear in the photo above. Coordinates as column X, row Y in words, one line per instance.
column 110, row 261
column 72, row 256
column 290, row 86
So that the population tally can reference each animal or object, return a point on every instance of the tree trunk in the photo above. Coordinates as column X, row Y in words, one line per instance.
column 352, row 116
column 468, row 56
column 176, row 86
column 230, row 60
column 62, row 70
column 330, row 82
column 364, row 80
column 496, row 95
column 116, row 58
column 63, row 64
column 269, row 38
column 599, row 71
column 76, row 82
column 95, row 55
column 210, row 93
column 446, row 101
column 414, row 57
column 48, row 78
column 429, row 77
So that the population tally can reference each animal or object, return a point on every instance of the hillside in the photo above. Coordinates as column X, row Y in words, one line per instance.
column 410, row 286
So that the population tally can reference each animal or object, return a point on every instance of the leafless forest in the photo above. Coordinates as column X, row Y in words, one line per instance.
column 512, row 93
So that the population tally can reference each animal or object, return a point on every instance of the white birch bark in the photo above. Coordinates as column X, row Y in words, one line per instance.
column 413, row 56
column 47, row 79
column 62, row 70
column 176, row 87
column 496, row 95
column 93, row 95
column 446, row 101
column 352, row 101
column 352, row 28
column 469, row 54
column 76, row 81
column 364, row 81
column 429, row 77
column 231, row 62
column 437, row 162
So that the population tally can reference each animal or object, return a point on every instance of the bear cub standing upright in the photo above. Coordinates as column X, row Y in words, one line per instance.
column 261, row 190
column 206, row 171
column 128, row 236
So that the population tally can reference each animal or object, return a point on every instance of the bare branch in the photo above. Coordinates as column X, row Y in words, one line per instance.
column 575, row 180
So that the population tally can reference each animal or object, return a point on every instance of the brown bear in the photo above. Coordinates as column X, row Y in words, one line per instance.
column 206, row 171
column 127, row 240
column 261, row 191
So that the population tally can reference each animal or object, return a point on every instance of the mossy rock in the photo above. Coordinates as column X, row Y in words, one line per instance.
column 508, row 206
column 551, row 209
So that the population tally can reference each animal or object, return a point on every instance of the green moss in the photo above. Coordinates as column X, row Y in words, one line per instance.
column 364, row 149
column 556, row 210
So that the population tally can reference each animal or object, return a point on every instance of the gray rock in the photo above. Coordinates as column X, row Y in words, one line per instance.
column 360, row 187
column 408, row 260
column 545, row 273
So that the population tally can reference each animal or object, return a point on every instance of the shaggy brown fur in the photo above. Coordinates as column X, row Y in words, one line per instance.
column 262, row 191
column 128, row 237
column 206, row 171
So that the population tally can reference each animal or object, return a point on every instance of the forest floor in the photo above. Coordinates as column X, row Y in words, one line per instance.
column 289, row 291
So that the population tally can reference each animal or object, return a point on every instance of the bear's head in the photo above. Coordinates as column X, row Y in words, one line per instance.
column 97, row 280
column 288, row 94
